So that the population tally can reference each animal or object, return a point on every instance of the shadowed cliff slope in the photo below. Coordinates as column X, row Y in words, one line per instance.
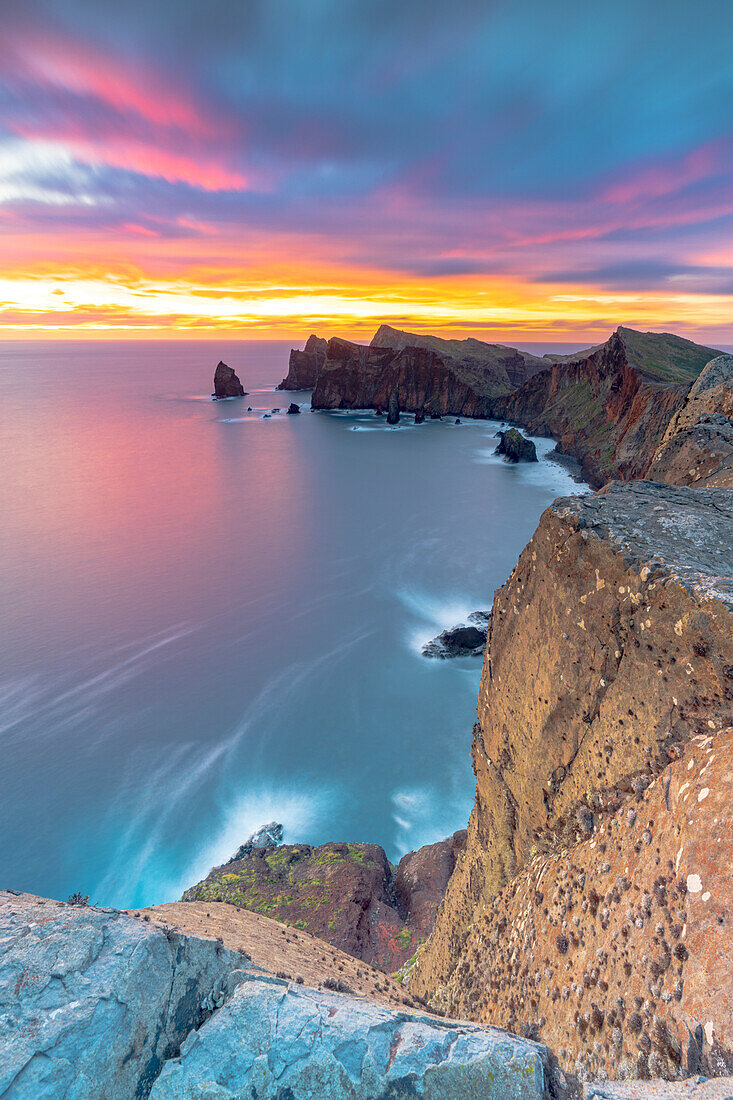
column 610, row 406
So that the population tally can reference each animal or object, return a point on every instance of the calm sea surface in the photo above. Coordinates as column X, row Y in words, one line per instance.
column 210, row 620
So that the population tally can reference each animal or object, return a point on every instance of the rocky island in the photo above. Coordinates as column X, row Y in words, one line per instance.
column 226, row 383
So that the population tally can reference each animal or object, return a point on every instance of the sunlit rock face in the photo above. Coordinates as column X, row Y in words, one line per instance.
column 610, row 649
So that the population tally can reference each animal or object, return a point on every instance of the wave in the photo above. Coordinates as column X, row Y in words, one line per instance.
column 436, row 613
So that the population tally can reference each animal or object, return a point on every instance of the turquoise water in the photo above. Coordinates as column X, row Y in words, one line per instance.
column 211, row 619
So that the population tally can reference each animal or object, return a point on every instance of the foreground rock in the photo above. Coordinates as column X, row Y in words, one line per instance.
column 609, row 406
column 610, row 648
column 278, row 1042
column 293, row 409
column 92, row 1002
column 696, row 1088
column 515, row 447
column 464, row 640
column 305, row 366
column 619, row 950
column 343, row 893
column 280, row 949
column 226, row 383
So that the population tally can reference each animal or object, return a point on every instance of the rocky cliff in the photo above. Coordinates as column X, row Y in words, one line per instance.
column 304, row 366
column 697, row 447
column 494, row 365
column 347, row 894
column 609, row 407
column 610, row 648
column 617, row 949
column 419, row 379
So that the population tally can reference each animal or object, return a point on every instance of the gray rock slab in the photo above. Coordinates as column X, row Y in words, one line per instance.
column 273, row 1041
column 92, row 1001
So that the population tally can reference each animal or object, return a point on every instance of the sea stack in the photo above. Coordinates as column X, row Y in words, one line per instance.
column 226, row 383
column 515, row 447
column 393, row 408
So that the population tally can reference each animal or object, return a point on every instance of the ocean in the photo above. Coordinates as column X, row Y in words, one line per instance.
column 211, row 620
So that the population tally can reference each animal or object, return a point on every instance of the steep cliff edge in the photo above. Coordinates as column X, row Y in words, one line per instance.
column 610, row 647
column 304, row 366
column 610, row 406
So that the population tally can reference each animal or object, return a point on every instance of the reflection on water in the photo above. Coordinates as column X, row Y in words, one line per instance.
column 211, row 619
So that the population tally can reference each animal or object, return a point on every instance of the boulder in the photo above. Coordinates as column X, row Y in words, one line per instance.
column 279, row 1042
column 420, row 416
column 226, row 383
column 515, row 447
column 460, row 641
column 293, row 409
column 466, row 640
column 92, row 1001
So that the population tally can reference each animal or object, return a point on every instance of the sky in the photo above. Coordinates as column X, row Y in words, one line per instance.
column 516, row 170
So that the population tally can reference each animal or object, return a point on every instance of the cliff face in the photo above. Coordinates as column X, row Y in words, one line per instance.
column 304, row 366
column 492, row 364
column 697, row 447
column 609, row 407
column 347, row 894
column 610, row 648
column 617, row 950
column 357, row 377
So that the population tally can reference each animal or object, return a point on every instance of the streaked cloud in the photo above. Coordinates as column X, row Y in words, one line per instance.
column 277, row 166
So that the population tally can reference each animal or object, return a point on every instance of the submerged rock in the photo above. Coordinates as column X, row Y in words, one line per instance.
column 276, row 1041
column 515, row 447
column 226, row 383
column 465, row 640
